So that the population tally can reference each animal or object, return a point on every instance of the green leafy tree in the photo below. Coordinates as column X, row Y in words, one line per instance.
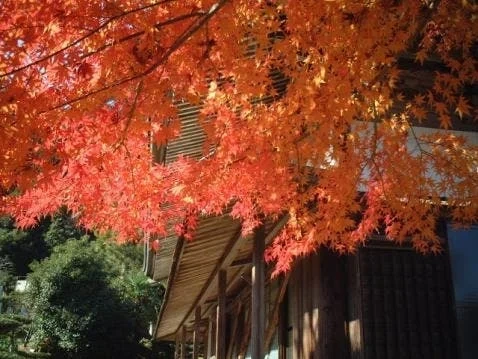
column 62, row 228
column 83, row 303
column 145, row 297
column 11, row 326
column 22, row 247
column 135, row 287
column 7, row 279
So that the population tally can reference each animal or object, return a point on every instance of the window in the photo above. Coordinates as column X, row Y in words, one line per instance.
column 463, row 245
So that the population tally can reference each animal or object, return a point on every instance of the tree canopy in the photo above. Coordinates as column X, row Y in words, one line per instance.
column 20, row 248
column 86, row 86
column 85, row 301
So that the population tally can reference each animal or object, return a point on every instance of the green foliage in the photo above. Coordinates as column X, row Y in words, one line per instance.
column 22, row 247
column 164, row 349
column 86, row 302
column 7, row 280
column 20, row 354
column 146, row 298
column 13, row 301
column 11, row 322
column 62, row 228
column 120, row 258
column 11, row 327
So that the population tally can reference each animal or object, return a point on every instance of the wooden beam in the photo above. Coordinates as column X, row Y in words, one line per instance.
column 257, row 298
column 176, row 347
column 230, row 252
column 197, row 326
column 241, row 262
column 221, row 315
column 228, row 256
column 274, row 317
column 330, row 281
column 183, row 343
column 178, row 253
column 211, row 331
column 282, row 328
column 246, row 335
column 235, row 326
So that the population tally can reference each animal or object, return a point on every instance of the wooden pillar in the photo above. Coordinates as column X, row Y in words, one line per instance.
column 197, row 322
column 221, row 316
column 257, row 300
column 183, row 343
column 332, row 341
column 176, row 347
column 211, row 331
column 283, row 326
column 235, row 327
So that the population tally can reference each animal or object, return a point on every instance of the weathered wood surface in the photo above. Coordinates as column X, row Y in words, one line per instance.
column 183, row 343
column 274, row 317
column 246, row 335
column 221, row 315
column 196, row 334
column 407, row 305
column 317, row 307
column 235, row 326
column 257, row 299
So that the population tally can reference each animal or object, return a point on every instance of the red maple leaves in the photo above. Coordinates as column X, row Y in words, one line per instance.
column 280, row 108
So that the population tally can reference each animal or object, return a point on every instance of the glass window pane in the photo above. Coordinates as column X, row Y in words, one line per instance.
column 463, row 245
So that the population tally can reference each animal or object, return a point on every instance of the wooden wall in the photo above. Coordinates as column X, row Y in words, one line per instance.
column 317, row 307
column 383, row 303
column 406, row 305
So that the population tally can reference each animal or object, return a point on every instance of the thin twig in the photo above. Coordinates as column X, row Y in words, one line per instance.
column 191, row 30
column 158, row 26
column 139, row 88
column 80, row 39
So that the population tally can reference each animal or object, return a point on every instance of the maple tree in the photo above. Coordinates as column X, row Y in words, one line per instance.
column 86, row 86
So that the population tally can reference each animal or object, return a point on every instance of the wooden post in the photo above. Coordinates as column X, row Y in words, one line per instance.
column 221, row 316
column 211, row 336
column 330, row 276
column 176, row 347
column 235, row 326
column 274, row 317
column 197, row 321
column 246, row 334
column 183, row 343
column 283, row 326
column 210, row 333
column 257, row 300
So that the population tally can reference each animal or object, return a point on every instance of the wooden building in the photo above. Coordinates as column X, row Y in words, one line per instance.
column 385, row 301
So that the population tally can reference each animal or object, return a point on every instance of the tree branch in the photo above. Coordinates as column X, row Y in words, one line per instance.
column 158, row 26
column 84, row 37
column 191, row 30
column 139, row 88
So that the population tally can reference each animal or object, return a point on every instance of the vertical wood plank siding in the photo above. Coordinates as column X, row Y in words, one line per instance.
column 407, row 306
column 384, row 303
column 318, row 307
